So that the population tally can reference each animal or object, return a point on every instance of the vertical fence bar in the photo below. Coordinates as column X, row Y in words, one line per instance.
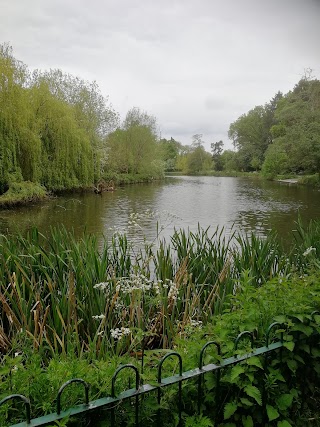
column 113, row 393
column 271, row 327
column 201, row 376
column 173, row 353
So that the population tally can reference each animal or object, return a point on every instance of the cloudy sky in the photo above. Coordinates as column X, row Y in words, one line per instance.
column 196, row 65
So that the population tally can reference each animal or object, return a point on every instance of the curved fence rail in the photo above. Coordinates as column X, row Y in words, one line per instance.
column 113, row 401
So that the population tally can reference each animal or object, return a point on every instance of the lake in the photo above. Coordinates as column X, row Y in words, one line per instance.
column 243, row 204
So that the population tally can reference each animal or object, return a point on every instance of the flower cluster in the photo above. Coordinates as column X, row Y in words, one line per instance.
column 173, row 291
column 196, row 323
column 118, row 333
column 134, row 282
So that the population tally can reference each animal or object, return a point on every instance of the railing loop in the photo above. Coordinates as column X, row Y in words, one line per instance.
column 209, row 343
column 114, row 377
column 175, row 354
column 66, row 384
column 172, row 353
column 244, row 334
column 24, row 399
column 272, row 326
column 113, row 392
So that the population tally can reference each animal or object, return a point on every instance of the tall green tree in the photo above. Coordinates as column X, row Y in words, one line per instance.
column 134, row 148
column 19, row 145
column 298, row 127
column 169, row 150
column 216, row 150
column 251, row 134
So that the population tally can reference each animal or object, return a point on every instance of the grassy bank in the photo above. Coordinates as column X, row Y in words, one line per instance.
column 26, row 192
column 22, row 193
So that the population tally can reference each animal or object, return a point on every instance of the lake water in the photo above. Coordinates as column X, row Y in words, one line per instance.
column 178, row 202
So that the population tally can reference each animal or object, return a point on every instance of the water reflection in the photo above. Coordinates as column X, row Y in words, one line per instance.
column 180, row 202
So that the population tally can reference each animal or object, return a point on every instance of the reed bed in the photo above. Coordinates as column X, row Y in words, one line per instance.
column 64, row 294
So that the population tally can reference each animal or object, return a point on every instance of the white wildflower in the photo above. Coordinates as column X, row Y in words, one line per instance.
column 103, row 286
column 173, row 291
column 118, row 333
column 308, row 251
column 99, row 317
column 196, row 323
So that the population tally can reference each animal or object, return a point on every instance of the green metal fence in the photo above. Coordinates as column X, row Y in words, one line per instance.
column 112, row 402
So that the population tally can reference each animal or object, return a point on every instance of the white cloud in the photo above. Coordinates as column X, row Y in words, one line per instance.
column 195, row 65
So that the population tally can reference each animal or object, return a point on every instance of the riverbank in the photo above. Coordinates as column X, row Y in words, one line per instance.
column 22, row 193
column 312, row 181
column 26, row 192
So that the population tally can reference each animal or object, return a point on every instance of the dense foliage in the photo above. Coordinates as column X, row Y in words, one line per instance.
column 70, row 309
column 56, row 131
column 282, row 136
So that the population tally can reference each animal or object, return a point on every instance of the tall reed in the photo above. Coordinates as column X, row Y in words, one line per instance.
column 78, row 294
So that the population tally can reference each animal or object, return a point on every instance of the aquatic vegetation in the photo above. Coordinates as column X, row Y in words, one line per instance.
column 69, row 294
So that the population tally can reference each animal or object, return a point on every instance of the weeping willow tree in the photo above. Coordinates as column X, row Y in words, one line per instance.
column 66, row 153
column 19, row 144
column 92, row 114
column 52, row 127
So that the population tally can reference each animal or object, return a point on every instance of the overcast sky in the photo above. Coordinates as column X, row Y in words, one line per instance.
column 196, row 65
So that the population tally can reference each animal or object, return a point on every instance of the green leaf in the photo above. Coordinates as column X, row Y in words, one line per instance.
column 281, row 319
column 315, row 352
column 284, row 401
column 299, row 317
column 317, row 318
column 293, row 365
column 272, row 413
column 283, row 423
column 299, row 359
column 247, row 421
column 305, row 347
column 254, row 392
column 235, row 372
column 307, row 330
column 255, row 361
column 246, row 402
column 250, row 376
column 229, row 410
column 289, row 345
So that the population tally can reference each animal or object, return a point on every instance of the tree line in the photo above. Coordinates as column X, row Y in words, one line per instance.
column 59, row 131
column 280, row 137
